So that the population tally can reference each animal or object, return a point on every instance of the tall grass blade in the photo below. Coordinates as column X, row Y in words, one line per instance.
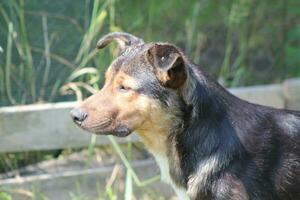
column 30, row 75
column 47, row 56
column 8, row 65
column 128, row 166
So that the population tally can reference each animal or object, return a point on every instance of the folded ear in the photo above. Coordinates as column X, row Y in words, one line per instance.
column 168, row 64
column 123, row 40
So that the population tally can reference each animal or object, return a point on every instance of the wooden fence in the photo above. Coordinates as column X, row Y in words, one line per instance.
column 49, row 126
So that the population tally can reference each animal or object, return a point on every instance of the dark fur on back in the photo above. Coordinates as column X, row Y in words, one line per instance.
column 213, row 144
column 255, row 149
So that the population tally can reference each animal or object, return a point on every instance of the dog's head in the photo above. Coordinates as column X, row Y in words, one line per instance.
column 141, row 90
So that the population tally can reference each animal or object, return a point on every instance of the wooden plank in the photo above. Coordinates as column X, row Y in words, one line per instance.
column 42, row 127
column 49, row 126
column 268, row 95
column 86, row 183
column 291, row 90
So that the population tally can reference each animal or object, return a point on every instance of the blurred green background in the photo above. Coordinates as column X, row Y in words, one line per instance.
column 43, row 43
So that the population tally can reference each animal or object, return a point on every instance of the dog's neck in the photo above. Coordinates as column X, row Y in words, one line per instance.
column 155, row 141
column 156, row 131
column 208, row 137
column 184, row 143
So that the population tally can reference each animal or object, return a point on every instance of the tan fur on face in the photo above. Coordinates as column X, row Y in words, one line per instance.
column 113, row 104
column 156, row 122
column 139, row 112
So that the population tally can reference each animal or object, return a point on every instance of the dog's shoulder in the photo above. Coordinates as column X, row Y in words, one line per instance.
column 288, row 123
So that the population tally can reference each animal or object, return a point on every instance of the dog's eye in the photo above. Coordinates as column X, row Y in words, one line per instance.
column 123, row 88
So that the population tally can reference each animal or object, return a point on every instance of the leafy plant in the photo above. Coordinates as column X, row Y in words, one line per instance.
column 5, row 196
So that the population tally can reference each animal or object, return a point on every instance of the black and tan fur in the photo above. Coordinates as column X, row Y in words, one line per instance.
column 215, row 145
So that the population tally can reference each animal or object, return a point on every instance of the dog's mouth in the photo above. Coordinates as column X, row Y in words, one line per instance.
column 107, row 127
column 95, row 127
column 119, row 131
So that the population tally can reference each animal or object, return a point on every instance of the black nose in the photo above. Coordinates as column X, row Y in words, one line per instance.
column 78, row 115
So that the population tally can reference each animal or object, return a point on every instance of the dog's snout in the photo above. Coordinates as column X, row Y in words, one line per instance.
column 78, row 115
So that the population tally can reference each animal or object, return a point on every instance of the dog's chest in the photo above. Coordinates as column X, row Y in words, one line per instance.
column 163, row 164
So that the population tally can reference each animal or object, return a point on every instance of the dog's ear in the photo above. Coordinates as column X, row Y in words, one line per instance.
column 168, row 64
column 123, row 40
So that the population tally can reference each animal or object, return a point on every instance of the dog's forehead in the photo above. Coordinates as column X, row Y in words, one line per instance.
column 132, row 60
column 134, row 50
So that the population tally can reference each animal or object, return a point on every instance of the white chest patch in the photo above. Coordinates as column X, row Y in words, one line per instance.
column 163, row 164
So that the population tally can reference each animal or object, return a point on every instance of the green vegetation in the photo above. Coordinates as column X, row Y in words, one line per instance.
column 241, row 42
column 47, row 48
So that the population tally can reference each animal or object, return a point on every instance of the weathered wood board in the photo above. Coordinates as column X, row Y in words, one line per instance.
column 291, row 90
column 268, row 95
column 84, row 184
column 43, row 127
column 49, row 126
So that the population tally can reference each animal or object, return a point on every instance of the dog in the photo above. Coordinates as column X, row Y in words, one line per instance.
column 208, row 143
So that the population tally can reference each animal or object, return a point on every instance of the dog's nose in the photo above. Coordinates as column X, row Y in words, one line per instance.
column 78, row 115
